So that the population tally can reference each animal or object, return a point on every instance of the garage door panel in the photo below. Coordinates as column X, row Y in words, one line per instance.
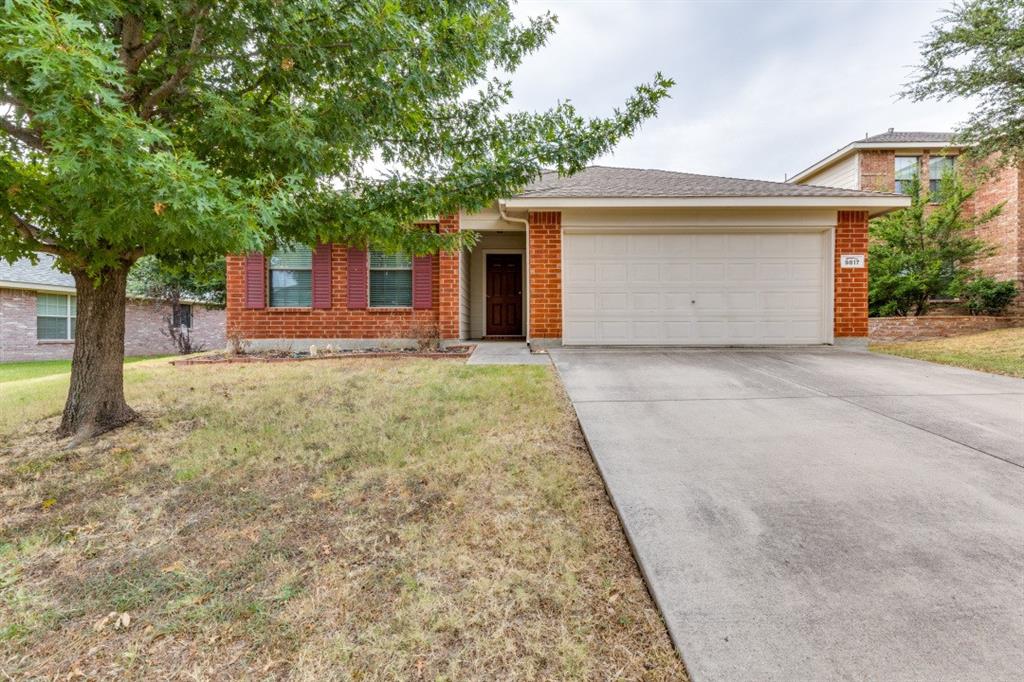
column 713, row 289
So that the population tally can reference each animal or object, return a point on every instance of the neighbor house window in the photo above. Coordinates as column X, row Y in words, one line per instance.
column 938, row 167
column 390, row 280
column 55, row 317
column 906, row 171
column 183, row 316
column 291, row 278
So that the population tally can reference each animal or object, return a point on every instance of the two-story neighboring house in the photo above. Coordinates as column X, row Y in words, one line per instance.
column 887, row 163
column 38, row 310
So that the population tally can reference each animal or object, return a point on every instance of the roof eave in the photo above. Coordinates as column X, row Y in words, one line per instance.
column 841, row 154
column 36, row 286
column 874, row 204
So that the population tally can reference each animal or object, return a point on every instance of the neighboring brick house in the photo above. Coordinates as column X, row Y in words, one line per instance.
column 610, row 256
column 37, row 316
column 887, row 162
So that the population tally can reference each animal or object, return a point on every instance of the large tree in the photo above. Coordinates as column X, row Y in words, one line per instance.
column 186, row 129
column 976, row 49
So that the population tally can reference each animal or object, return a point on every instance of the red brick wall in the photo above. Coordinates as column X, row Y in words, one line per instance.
column 448, row 285
column 545, row 264
column 1005, row 231
column 851, row 284
column 878, row 170
column 936, row 326
column 336, row 322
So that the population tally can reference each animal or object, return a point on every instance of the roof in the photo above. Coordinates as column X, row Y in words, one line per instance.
column 915, row 137
column 891, row 139
column 43, row 273
column 636, row 183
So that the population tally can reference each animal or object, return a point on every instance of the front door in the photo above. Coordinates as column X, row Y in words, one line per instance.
column 504, row 294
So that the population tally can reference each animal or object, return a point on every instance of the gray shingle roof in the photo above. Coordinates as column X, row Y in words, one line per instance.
column 898, row 136
column 608, row 182
column 23, row 271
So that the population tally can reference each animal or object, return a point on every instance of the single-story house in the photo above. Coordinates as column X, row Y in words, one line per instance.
column 887, row 162
column 38, row 311
column 609, row 256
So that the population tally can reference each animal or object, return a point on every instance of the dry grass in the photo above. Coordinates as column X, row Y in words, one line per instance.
column 355, row 519
column 999, row 352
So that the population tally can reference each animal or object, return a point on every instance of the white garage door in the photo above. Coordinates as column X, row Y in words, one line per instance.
column 695, row 289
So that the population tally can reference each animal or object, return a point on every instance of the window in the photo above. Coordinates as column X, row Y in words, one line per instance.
column 291, row 278
column 55, row 317
column 390, row 280
column 906, row 171
column 183, row 316
column 938, row 167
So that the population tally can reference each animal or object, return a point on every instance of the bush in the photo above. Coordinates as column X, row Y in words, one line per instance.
column 986, row 295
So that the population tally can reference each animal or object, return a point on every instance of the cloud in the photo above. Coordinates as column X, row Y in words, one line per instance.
column 763, row 89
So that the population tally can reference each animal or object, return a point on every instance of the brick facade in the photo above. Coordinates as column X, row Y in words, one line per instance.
column 545, row 276
column 338, row 321
column 144, row 329
column 1005, row 232
column 877, row 170
column 448, row 284
column 850, row 305
column 936, row 326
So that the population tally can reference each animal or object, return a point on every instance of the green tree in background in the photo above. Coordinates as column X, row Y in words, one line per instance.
column 172, row 286
column 188, row 129
column 976, row 49
column 925, row 251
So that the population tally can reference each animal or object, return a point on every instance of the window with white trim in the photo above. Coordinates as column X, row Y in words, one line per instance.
column 291, row 277
column 938, row 167
column 390, row 280
column 55, row 317
column 906, row 171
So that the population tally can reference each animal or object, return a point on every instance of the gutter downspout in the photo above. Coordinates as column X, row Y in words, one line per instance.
column 526, row 265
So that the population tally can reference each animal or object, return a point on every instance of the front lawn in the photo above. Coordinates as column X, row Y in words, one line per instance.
column 30, row 369
column 338, row 519
column 999, row 352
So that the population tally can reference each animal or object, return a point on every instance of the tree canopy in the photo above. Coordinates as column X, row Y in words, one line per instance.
column 187, row 129
column 976, row 49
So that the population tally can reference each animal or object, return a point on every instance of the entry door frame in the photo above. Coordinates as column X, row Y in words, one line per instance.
column 522, row 286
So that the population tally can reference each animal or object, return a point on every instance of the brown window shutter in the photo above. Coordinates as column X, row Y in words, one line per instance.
column 322, row 276
column 255, row 281
column 358, row 282
column 422, row 276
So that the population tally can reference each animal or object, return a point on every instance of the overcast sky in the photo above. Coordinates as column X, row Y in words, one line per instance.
column 762, row 88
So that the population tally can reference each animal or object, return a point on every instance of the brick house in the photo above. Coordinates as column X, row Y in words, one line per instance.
column 37, row 316
column 887, row 162
column 613, row 256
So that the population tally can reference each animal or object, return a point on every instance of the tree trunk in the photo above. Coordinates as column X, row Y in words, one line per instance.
column 96, row 396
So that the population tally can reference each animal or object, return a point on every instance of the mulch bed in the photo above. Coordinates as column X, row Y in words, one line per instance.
column 449, row 353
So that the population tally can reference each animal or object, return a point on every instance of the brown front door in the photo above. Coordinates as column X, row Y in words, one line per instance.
column 504, row 294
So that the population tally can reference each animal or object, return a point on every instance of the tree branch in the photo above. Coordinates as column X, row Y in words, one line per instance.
column 29, row 137
column 31, row 234
column 168, row 86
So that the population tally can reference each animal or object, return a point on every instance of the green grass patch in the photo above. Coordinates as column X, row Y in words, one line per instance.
column 357, row 518
column 999, row 352
column 33, row 369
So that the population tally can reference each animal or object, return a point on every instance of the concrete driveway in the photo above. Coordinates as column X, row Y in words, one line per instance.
column 816, row 514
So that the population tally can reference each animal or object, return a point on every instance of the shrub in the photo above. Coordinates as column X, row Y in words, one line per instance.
column 986, row 295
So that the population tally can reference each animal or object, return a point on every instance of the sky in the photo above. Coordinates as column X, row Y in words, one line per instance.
column 763, row 89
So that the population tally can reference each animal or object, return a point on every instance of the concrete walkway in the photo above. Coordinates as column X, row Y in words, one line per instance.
column 817, row 514
column 505, row 353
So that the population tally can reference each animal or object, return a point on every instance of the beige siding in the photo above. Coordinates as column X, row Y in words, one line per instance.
column 842, row 174
column 465, row 281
